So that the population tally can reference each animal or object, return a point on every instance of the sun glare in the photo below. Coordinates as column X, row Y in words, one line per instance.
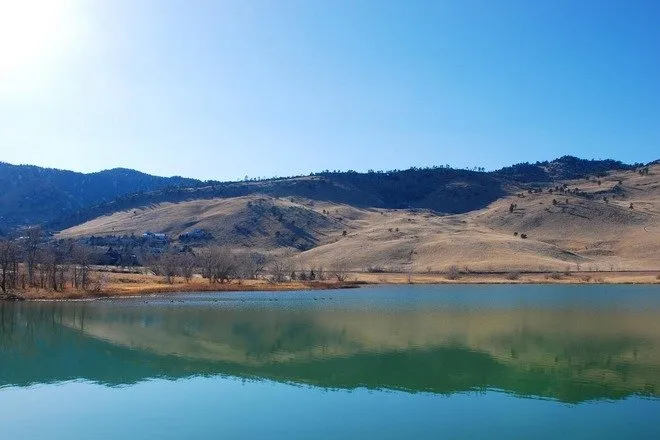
column 32, row 33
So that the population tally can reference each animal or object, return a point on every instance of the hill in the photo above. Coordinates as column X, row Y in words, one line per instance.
column 439, row 189
column 564, row 168
column 549, row 216
column 59, row 199
column 260, row 222
column 585, row 224
column 33, row 195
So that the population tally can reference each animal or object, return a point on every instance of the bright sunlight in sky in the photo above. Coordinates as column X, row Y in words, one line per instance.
column 33, row 34
column 220, row 89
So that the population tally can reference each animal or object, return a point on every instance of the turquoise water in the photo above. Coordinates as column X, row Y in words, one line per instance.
column 387, row 362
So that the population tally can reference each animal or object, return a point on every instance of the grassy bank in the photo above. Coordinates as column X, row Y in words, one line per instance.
column 122, row 284
column 586, row 277
column 114, row 284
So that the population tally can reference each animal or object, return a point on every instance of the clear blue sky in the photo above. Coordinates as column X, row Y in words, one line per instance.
column 224, row 89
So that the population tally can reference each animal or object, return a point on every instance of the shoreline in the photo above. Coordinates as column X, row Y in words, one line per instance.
column 649, row 277
column 165, row 289
column 131, row 285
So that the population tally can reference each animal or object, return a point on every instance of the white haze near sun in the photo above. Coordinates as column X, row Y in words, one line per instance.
column 35, row 38
column 220, row 89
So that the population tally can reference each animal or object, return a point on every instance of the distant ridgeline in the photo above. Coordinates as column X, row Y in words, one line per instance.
column 564, row 168
column 59, row 199
column 32, row 195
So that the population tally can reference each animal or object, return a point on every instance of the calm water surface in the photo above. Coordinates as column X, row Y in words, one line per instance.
column 388, row 362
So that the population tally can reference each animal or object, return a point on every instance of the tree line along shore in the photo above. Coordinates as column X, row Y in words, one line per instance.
column 108, row 282
column 34, row 267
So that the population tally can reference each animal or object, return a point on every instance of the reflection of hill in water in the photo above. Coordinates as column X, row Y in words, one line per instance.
column 571, row 356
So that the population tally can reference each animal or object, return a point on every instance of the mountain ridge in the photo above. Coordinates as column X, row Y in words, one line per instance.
column 440, row 189
column 59, row 199
column 35, row 195
column 398, row 221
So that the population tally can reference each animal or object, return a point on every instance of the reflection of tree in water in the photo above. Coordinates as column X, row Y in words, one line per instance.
column 611, row 361
column 573, row 352
column 45, row 342
column 23, row 328
column 292, row 336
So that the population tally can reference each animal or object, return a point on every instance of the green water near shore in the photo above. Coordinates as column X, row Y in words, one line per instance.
column 430, row 361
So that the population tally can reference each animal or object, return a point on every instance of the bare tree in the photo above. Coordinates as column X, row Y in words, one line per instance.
column 258, row 264
column 340, row 271
column 187, row 265
column 30, row 251
column 168, row 265
column 82, row 257
column 207, row 262
column 49, row 268
column 8, row 265
column 218, row 264
column 279, row 270
column 453, row 273
column 250, row 266
column 61, row 271
column 225, row 265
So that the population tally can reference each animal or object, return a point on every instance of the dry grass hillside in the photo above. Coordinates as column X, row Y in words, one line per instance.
column 251, row 221
column 614, row 224
column 593, row 229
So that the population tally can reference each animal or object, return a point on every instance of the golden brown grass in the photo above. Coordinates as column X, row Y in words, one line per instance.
column 587, row 235
column 507, row 278
column 129, row 284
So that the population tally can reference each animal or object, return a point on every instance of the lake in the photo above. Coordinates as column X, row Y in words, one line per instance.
column 526, row 361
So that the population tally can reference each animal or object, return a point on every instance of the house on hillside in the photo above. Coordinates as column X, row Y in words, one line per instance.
column 195, row 235
column 155, row 236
